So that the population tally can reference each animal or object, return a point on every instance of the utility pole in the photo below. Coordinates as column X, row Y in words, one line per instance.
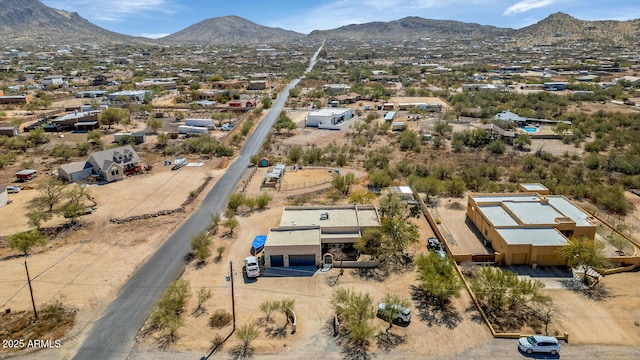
column 233, row 297
column 35, row 313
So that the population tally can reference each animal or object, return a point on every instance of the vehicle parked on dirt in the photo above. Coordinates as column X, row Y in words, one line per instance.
column 402, row 315
column 539, row 343
column 251, row 267
column 434, row 244
column 13, row 189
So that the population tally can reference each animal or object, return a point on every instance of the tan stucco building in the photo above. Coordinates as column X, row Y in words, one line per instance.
column 306, row 233
column 528, row 228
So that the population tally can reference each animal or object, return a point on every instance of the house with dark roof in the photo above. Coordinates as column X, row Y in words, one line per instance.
column 109, row 165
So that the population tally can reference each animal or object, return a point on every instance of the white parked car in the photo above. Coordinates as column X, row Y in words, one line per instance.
column 251, row 267
column 539, row 343
column 13, row 189
column 402, row 315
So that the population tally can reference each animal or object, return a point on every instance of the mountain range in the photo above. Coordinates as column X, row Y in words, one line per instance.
column 32, row 22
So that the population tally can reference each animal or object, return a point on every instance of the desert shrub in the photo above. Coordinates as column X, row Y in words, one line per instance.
column 219, row 319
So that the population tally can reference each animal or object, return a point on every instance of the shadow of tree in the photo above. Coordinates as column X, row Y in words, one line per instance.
column 396, row 264
column 239, row 352
column 352, row 350
column 167, row 340
column 386, row 340
column 276, row 331
column 474, row 315
column 433, row 311
column 598, row 292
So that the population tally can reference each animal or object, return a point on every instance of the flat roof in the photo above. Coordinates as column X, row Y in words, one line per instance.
column 329, row 111
column 338, row 217
column 529, row 209
column 368, row 217
column 531, row 213
column 293, row 237
column 535, row 237
column 498, row 216
column 568, row 209
column 534, row 186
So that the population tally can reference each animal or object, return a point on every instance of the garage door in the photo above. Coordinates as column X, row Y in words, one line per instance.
column 302, row 260
column 277, row 260
column 548, row 260
column 519, row 259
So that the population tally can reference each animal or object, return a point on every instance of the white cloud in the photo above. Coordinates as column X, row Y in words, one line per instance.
column 526, row 5
column 114, row 10
column 153, row 36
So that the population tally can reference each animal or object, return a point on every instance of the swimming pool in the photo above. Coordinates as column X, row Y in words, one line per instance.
column 530, row 129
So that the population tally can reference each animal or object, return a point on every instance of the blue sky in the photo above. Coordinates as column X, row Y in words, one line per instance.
column 155, row 18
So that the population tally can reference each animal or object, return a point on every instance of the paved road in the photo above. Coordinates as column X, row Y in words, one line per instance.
column 113, row 335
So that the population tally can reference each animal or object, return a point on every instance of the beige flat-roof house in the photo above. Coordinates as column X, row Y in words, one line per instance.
column 306, row 233
column 528, row 228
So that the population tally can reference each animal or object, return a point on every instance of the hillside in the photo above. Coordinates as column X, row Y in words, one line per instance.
column 35, row 23
column 410, row 28
column 230, row 30
column 560, row 25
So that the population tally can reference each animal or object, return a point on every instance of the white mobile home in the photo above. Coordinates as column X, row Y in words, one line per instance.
column 208, row 123
column 186, row 129
column 328, row 118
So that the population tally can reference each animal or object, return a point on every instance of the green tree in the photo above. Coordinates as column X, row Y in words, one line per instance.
column 37, row 136
column 37, row 217
column 268, row 307
column 585, row 254
column 154, row 124
column 246, row 333
column 295, row 153
column 496, row 147
column 167, row 316
column 113, row 116
column 499, row 290
column 522, row 141
column 215, row 223
column 342, row 183
column 356, row 311
column 370, row 242
column 389, row 312
column 409, row 141
column 262, row 200
column 200, row 244
column 63, row 151
column 203, row 295
column 25, row 240
column 266, row 102
column 231, row 224
column 95, row 136
column 442, row 128
column 51, row 193
column 437, row 277
column 235, row 201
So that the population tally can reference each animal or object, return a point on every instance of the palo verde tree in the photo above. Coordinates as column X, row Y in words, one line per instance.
column 51, row 193
column 25, row 240
column 200, row 244
column 437, row 277
column 393, row 302
column 499, row 290
column 356, row 311
column 342, row 183
column 585, row 254
column 167, row 316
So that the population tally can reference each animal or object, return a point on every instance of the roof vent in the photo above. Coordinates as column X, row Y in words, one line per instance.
column 324, row 216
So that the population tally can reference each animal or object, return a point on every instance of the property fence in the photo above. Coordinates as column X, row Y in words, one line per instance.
column 287, row 187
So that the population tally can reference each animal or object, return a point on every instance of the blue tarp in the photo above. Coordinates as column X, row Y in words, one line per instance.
column 258, row 244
